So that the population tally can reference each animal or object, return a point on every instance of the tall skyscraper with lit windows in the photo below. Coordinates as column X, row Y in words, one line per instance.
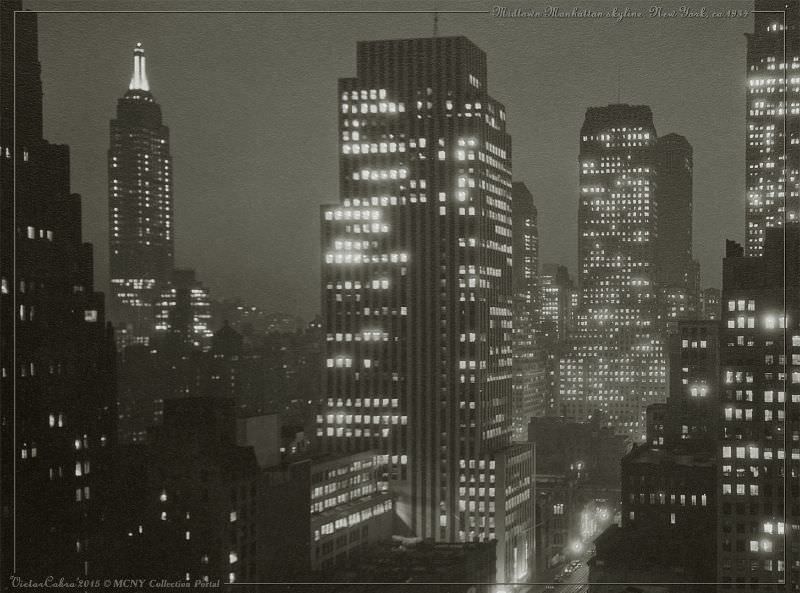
column 418, row 295
column 139, row 207
column 772, row 153
column 759, row 445
column 616, row 362
column 529, row 361
column 758, row 534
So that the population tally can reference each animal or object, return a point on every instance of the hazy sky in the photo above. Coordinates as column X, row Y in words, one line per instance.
column 251, row 102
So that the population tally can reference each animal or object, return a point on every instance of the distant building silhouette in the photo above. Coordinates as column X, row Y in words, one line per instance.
column 183, row 311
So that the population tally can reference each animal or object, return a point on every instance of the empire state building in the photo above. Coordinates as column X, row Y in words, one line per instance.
column 140, row 207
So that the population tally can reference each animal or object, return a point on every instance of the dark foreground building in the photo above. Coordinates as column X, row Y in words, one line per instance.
column 668, row 527
column 759, row 450
column 194, row 505
column 411, row 566
column 57, row 355
column 669, row 489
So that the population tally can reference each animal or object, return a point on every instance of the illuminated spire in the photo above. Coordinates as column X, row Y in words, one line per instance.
column 139, row 79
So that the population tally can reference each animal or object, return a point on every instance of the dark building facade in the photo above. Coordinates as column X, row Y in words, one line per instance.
column 710, row 304
column 417, row 293
column 529, row 359
column 668, row 530
column 590, row 448
column 693, row 403
column 141, row 234
column 759, row 447
column 57, row 373
column 772, row 132
column 676, row 273
column 669, row 512
column 407, row 566
column 194, row 506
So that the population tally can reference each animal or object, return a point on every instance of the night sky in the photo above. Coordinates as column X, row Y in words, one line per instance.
column 251, row 102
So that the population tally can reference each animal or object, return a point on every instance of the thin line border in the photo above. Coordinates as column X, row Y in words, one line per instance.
column 787, row 570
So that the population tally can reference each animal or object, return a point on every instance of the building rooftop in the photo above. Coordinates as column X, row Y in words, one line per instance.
column 406, row 560
column 648, row 455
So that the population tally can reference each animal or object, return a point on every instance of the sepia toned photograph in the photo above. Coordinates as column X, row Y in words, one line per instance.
column 411, row 296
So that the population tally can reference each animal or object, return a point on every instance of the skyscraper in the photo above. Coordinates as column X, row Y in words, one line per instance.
column 759, row 451
column 556, row 292
column 417, row 293
column 530, row 397
column 183, row 311
column 676, row 273
column 139, row 207
column 556, row 317
column 772, row 175
column 616, row 363
column 57, row 379
column 673, row 166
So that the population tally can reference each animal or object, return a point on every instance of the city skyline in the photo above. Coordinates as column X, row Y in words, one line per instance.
column 255, row 235
column 463, row 409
